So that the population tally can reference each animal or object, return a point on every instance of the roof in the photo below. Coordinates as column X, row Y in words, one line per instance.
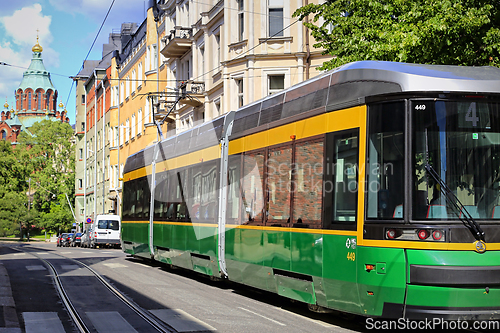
column 36, row 76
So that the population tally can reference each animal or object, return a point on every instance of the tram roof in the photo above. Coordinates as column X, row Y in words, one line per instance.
column 420, row 77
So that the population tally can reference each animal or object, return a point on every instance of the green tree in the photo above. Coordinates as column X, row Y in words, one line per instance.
column 13, row 195
column 47, row 150
column 432, row 32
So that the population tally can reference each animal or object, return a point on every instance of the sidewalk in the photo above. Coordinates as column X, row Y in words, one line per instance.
column 9, row 322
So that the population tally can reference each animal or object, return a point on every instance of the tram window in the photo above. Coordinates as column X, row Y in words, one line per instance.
column 308, row 184
column 252, row 188
column 344, row 178
column 128, row 194
column 385, row 158
column 194, row 198
column 233, row 193
column 209, row 195
column 279, row 175
column 460, row 140
column 177, row 194
column 161, row 189
column 147, row 197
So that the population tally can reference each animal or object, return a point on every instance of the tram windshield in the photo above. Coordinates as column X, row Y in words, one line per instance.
column 460, row 140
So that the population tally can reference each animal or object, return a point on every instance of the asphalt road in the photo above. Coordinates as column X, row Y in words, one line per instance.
column 177, row 295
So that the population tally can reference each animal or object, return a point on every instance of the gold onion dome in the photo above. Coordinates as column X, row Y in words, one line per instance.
column 6, row 105
column 37, row 47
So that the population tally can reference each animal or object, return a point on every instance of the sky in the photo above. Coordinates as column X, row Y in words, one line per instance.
column 66, row 30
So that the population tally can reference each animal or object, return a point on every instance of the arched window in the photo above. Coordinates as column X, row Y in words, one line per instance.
column 47, row 101
column 4, row 135
column 39, row 97
column 29, row 100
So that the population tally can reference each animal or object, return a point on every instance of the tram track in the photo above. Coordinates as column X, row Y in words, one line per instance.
column 80, row 324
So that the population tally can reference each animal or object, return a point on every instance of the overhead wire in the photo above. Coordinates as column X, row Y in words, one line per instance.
column 91, row 47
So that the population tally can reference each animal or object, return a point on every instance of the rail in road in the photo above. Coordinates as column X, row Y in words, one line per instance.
column 91, row 302
column 179, row 300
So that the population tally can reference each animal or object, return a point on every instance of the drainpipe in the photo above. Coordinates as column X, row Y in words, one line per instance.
column 95, row 144
column 308, row 51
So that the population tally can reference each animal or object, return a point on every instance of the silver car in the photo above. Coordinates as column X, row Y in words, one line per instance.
column 85, row 242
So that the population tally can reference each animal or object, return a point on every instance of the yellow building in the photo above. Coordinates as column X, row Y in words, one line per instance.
column 213, row 57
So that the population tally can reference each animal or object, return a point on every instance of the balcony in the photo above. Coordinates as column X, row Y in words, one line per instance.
column 177, row 43
column 194, row 93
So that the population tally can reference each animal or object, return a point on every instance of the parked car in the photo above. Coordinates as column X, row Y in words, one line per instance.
column 60, row 239
column 76, row 239
column 65, row 241
column 85, row 241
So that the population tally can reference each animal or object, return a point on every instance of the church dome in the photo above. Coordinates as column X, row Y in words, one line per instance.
column 37, row 47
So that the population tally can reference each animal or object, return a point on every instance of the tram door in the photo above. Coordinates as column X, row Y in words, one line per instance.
column 339, row 245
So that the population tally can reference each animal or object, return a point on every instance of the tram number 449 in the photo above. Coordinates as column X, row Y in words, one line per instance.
column 351, row 256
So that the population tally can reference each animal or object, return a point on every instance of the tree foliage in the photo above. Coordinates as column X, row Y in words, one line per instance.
column 48, row 149
column 432, row 32
column 42, row 164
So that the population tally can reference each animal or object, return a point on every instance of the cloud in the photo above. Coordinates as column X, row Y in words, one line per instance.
column 15, row 45
column 11, row 76
column 22, row 26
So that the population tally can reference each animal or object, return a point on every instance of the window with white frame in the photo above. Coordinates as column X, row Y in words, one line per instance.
column 134, row 80
column 133, row 126
column 275, row 12
column 108, row 166
column 139, row 75
column 122, row 92
column 148, row 59
column 216, row 108
column 147, row 109
column 127, row 87
column 127, row 130
column 139, row 122
column 115, row 135
column 122, row 133
column 202, row 62
column 275, row 83
column 241, row 20
column 217, row 50
column 99, row 173
column 239, row 89
column 154, row 57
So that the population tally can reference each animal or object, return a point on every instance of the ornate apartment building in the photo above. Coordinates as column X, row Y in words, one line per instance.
column 187, row 63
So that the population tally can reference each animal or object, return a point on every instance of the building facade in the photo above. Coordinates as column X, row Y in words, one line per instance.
column 36, row 100
column 188, row 63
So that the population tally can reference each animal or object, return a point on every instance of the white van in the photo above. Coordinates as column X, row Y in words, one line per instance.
column 106, row 231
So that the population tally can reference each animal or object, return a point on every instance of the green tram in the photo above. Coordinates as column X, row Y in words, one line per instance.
column 372, row 189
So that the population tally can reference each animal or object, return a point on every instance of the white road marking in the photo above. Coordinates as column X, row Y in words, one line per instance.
column 181, row 321
column 111, row 321
column 35, row 268
column 274, row 321
column 115, row 265
column 319, row 322
column 70, row 267
column 41, row 322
